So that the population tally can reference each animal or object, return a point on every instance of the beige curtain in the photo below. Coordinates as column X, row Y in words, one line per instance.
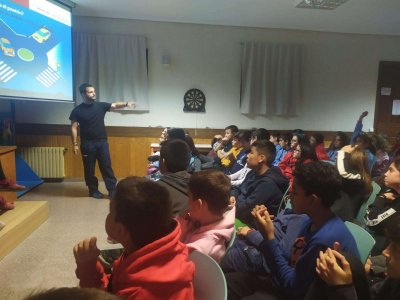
column 271, row 79
column 115, row 64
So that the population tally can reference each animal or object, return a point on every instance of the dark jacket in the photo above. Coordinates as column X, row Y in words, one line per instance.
column 377, row 215
column 266, row 189
column 177, row 186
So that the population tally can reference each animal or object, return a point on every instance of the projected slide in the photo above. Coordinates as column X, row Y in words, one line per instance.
column 35, row 56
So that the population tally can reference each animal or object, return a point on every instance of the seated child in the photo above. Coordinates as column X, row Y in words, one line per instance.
column 260, row 134
column 237, row 156
column 264, row 184
column 209, row 223
column 283, row 149
column 334, row 269
column 154, row 263
column 316, row 186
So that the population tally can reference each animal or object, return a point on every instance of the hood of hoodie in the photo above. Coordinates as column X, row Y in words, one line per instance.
column 161, row 267
column 178, row 180
column 222, row 228
column 277, row 176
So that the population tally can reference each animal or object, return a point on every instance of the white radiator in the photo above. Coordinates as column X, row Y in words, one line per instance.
column 46, row 162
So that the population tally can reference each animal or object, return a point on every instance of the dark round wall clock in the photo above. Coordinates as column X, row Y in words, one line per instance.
column 194, row 101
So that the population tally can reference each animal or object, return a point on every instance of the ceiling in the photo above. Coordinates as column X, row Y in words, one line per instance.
column 380, row 17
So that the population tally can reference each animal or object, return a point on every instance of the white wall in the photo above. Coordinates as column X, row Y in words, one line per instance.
column 340, row 76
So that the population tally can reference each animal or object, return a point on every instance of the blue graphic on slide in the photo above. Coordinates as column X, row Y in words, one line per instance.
column 35, row 56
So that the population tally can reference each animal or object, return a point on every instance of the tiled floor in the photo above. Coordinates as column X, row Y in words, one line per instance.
column 45, row 259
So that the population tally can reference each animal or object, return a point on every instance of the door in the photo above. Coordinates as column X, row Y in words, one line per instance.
column 388, row 89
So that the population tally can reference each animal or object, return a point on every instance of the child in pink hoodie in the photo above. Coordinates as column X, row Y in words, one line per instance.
column 209, row 223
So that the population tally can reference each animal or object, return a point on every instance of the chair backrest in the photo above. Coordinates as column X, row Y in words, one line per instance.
column 230, row 243
column 285, row 199
column 363, row 239
column 209, row 280
column 363, row 208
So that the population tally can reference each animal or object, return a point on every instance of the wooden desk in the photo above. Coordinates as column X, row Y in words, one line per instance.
column 7, row 158
column 202, row 148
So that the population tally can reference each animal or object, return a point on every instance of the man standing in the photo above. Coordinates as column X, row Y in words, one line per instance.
column 89, row 116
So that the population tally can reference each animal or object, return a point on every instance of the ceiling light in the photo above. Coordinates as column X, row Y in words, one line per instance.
column 318, row 4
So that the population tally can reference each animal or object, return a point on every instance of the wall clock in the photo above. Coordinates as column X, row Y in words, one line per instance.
column 194, row 101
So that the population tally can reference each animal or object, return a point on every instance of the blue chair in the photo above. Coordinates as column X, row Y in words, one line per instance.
column 285, row 199
column 231, row 241
column 363, row 239
column 209, row 281
column 361, row 212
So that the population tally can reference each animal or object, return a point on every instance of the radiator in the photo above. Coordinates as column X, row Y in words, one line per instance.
column 46, row 162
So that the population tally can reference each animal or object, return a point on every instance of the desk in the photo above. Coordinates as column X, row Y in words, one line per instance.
column 7, row 158
column 202, row 148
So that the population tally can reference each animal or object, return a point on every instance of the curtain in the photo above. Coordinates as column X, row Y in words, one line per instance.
column 271, row 79
column 116, row 65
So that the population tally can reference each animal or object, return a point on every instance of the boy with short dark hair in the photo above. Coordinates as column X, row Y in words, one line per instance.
column 284, row 147
column 154, row 264
column 209, row 223
column 264, row 184
column 174, row 162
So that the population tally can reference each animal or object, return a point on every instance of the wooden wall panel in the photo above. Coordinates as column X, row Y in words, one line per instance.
column 129, row 147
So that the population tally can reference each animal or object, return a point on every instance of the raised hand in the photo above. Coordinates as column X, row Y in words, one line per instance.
column 363, row 115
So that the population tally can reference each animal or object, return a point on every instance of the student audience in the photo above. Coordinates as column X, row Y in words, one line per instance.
column 154, row 263
column 208, row 224
column 316, row 186
column 264, row 184
column 278, row 259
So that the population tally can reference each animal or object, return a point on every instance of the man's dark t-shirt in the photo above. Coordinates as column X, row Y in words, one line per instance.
column 91, row 120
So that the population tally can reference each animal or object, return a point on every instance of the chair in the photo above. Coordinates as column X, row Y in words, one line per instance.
column 363, row 209
column 285, row 199
column 363, row 239
column 231, row 241
column 209, row 280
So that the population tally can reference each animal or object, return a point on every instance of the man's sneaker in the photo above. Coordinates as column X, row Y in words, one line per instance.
column 5, row 205
column 97, row 195
column 9, row 184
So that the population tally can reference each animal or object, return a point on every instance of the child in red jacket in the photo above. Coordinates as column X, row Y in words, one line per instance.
column 154, row 263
